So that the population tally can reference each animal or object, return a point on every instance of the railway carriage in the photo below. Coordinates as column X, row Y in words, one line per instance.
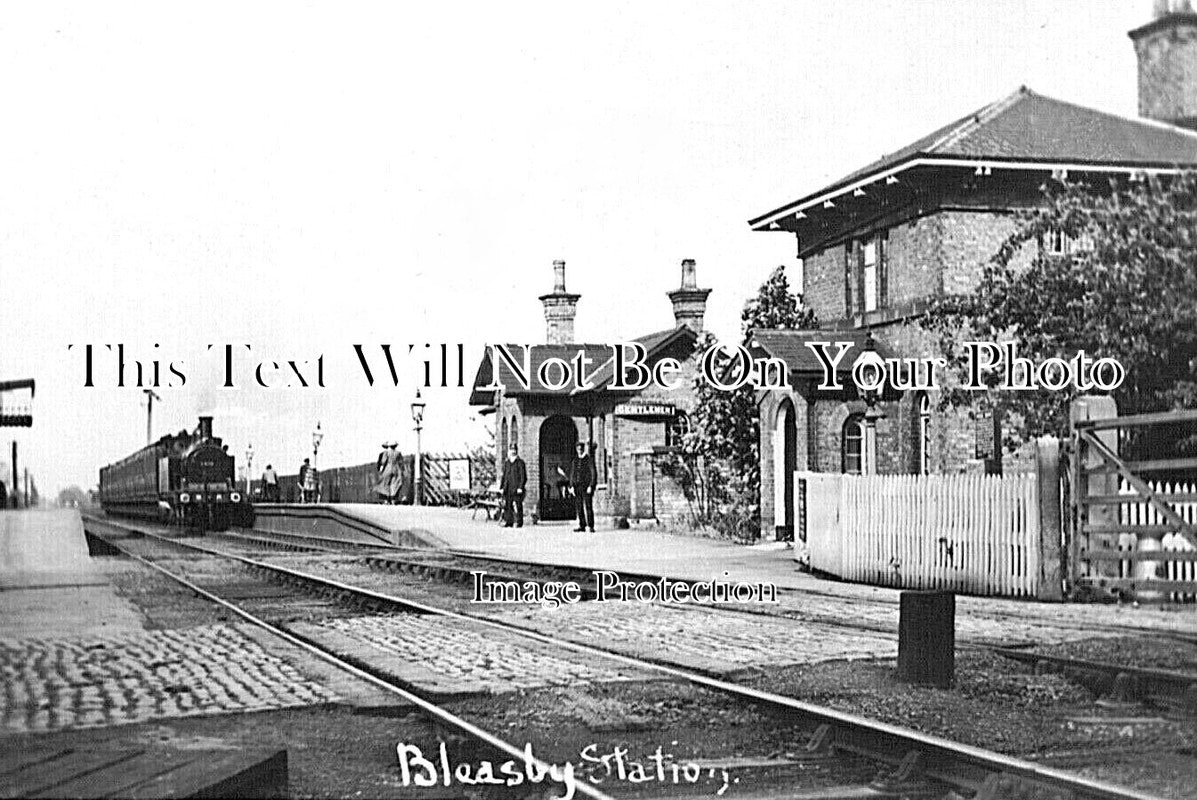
column 186, row 478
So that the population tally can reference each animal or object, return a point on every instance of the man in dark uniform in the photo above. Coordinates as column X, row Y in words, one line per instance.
column 583, row 477
column 515, row 478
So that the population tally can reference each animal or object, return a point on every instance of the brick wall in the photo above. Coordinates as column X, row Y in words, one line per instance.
column 823, row 283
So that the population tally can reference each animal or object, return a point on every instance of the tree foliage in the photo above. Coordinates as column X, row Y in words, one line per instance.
column 1127, row 289
column 719, row 462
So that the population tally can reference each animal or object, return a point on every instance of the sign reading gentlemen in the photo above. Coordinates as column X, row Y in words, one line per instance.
column 645, row 410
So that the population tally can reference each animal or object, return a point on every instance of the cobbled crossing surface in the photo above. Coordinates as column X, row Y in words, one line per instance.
column 485, row 658
column 699, row 637
column 54, row 684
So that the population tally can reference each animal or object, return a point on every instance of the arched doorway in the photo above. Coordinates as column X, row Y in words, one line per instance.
column 785, row 461
column 558, row 435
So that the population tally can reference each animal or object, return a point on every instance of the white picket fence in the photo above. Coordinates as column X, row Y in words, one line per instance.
column 1147, row 514
column 968, row 533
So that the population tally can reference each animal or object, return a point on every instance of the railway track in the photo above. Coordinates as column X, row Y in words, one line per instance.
column 914, row 764
column 1126, row 683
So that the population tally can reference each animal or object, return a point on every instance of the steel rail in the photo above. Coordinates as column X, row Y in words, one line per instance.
column 436, row 711
column 878, row 740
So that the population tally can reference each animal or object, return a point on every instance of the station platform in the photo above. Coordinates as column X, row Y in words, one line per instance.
column 653, row 551
column 48, row 584
column 364, row 523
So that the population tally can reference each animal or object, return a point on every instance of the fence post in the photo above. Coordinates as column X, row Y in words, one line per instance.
column 1088, row 407
column 1051, row 553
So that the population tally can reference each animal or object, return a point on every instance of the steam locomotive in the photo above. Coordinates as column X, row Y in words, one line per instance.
column 187, row 478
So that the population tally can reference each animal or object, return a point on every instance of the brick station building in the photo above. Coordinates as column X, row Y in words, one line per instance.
column 632, row 431
column 880, row 243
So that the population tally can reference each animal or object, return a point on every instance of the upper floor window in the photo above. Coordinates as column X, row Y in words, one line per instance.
column 870, row 266
column 866, row 278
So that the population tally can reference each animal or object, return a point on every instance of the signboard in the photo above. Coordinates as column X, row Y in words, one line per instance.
column 459, row 474
column 986, row 436
column 645, row 410
column 16, row 415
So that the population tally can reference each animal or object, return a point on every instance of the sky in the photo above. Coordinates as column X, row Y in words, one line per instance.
column 304, row 177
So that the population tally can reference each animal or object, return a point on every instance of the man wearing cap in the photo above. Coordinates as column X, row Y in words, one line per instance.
column 512, row 484
column 583, row 477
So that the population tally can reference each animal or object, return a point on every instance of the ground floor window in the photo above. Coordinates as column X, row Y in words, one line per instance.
column 853, row 444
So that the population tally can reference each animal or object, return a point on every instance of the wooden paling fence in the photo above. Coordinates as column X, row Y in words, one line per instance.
column 970, row 533
column 357, row 484
column 1137, row 514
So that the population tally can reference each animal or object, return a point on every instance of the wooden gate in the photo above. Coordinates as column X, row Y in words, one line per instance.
column 1133, row 522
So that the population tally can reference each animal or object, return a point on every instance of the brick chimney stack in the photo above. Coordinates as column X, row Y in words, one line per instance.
column 1167, row 51
column 560, row 308
column 689, row 302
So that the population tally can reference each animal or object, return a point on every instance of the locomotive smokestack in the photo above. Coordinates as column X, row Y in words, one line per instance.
column 205, row 428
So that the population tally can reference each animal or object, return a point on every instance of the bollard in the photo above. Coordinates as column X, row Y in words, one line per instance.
column 927, row 638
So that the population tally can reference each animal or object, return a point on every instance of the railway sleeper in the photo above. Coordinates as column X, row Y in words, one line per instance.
column 1005, row 786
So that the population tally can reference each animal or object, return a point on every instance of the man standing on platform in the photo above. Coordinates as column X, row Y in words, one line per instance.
column 302, row 478
column 270, row 485
column 515, row 478
column 583, row 477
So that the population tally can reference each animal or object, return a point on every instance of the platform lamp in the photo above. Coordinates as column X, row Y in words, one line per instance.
column 317, row 438
column 870, row 373
column 417, row 416
column 249, row 468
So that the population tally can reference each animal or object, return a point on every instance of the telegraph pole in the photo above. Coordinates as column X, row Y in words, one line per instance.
column 150, row 397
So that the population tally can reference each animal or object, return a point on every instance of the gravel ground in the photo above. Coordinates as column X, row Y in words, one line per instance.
column 996, row 704
column 1157, row 652
column 1003, row 706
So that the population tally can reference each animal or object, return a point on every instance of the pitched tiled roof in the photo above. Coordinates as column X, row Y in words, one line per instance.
column 1029, row 127
column 790, row 347
column 601, row 366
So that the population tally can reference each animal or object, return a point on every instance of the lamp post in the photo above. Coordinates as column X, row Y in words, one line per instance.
column 870, row 376
column 249, row 469
column 417, row 415
column 317, row 438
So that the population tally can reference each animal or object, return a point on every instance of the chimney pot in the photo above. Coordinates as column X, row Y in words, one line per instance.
column 689, row 278
column 559, row 277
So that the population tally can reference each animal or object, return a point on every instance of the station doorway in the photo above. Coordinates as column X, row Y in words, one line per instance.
column 785, row 461
column 558, row 436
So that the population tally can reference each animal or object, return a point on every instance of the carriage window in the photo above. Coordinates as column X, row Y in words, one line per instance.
column 852, row 444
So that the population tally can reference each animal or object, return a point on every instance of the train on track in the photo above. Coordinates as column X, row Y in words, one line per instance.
column 186, row 478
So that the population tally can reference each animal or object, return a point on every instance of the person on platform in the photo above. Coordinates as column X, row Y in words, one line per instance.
column 390, row 474
column 270, row 491
column 304, row 469
column 513, row 483
column 3, row 495
column 583, row 478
